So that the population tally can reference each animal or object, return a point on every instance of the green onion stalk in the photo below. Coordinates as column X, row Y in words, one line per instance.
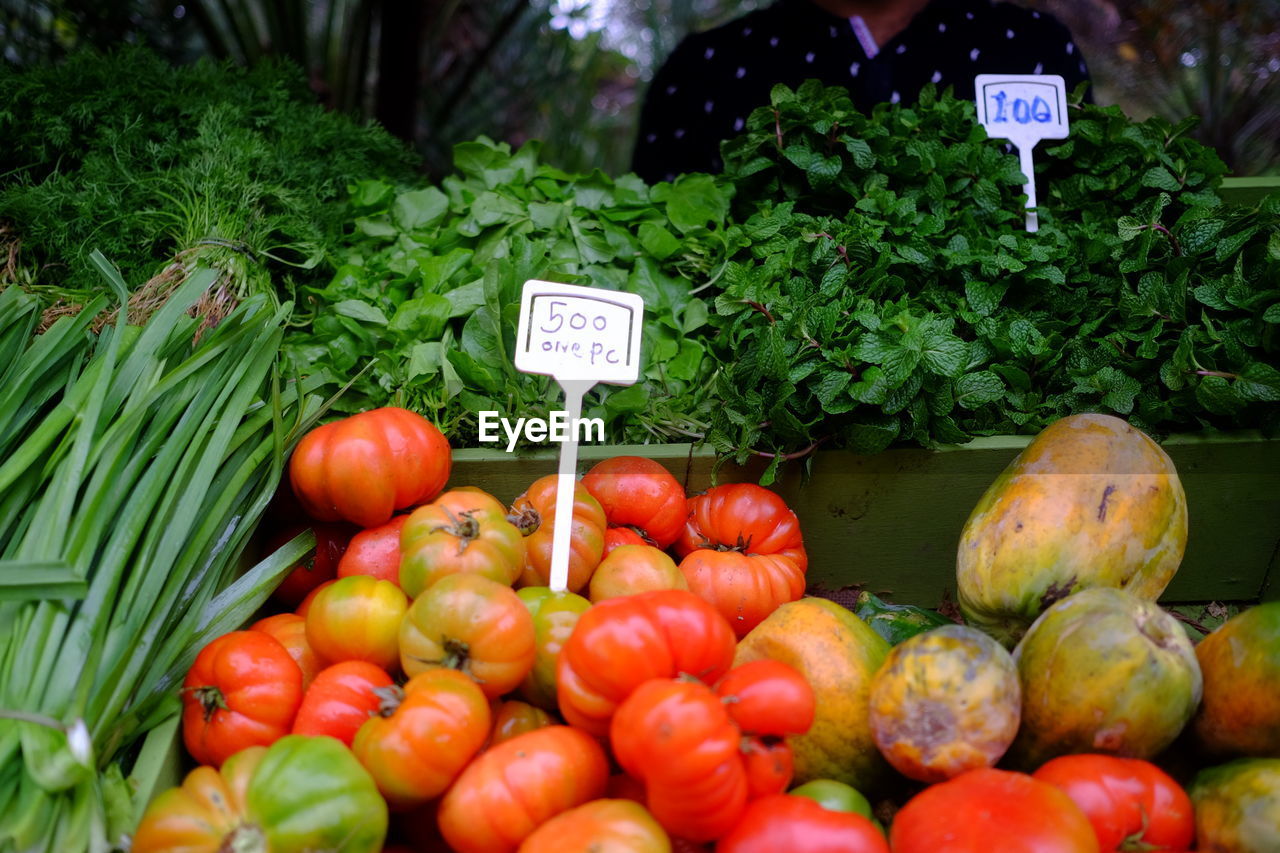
column 135, row 463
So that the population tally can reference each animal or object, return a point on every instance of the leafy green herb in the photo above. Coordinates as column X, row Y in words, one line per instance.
column 428, row 290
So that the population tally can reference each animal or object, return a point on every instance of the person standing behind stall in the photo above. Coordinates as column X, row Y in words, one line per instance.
column 880, row 50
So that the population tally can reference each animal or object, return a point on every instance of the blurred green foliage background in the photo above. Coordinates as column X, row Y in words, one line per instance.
column 572, row 72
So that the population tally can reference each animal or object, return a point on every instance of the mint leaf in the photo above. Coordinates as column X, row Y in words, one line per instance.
column 977, row 389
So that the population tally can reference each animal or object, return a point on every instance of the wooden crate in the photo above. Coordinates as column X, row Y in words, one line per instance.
column 891, row 522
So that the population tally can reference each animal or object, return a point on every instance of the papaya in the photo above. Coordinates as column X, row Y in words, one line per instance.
column 1240, row 662
column 944, row 702
column 838, row 653
column 1238, row 806
column 1090, row 502
column 1103, row 671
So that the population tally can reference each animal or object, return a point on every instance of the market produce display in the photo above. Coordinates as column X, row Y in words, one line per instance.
column 237, row 562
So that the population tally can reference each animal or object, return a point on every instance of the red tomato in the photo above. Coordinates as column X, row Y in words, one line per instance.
column 768, row 697
column 534, row 513
column 513, row 717
column 375, row 552
column 616, row 537
column 622, row 642
column 357, row 618
column 743, row 552
column 318, row 567
column 598, row 827
column 291, row 630
column 992, row 811
column 1132, row 804
column 509, row 791
column 770, row 765
column 799, row 825
column 464, row 531
column 472, row 624
column 676, row 737
column 365, row 467
column 420, row 740
column 340, row 699
column 639, row 493
column 242, row 690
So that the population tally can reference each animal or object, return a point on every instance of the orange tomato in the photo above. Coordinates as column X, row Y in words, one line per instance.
column 357, row 618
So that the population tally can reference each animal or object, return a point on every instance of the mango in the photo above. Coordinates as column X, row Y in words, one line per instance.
column 838, row 653
column 1090, row 502
column 1103, row 671
column 1238, row 807
column 1240, row 662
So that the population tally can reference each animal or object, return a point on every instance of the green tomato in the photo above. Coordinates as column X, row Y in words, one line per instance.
column 310, row 793
column 554, row 616
column 838, row 797
column 300, row 794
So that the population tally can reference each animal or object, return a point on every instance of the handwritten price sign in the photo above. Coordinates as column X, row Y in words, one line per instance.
column 1023, row 108
column 581, row 336
column 574, row 332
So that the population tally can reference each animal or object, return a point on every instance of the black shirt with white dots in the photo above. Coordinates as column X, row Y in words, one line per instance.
column 713, row 80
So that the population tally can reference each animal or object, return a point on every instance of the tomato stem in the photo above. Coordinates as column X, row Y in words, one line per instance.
column 527, row 521
column 389, row 699
column 463, row 525
column 211, row 700
column 245, row 838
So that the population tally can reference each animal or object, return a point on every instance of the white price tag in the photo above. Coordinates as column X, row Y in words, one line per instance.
column 580, row 336
column 1023, row 108
column 572, row 332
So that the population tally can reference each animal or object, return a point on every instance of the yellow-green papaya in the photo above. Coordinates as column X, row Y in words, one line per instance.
column 1103, row 671
column 1090, row 502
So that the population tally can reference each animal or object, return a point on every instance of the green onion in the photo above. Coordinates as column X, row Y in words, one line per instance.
column 137, row 464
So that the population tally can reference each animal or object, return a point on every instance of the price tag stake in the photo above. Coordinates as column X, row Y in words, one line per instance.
column 1023, row 108
column 579, row 336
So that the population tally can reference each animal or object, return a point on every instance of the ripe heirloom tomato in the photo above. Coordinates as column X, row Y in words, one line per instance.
column 616, row 537
column 242, row 690
column 799, row 825
column 600, row 825
column 991, row 811
column 365, row 467
column 340, row 699
column 770, row 765
column 742, row 551
column 622, row 642
column 534, row 513
column 423, row 735
column 357, row 618
column 676, row 736
column 375, row 552
column 510, row 790
column 464, row 531
column 301, row 793
column 768, row 697
column 317, row 567
column 471, row 624
column 641, row 494
column 291, row 630
column 513, row 717
column 1132, row 804
column 629, row 569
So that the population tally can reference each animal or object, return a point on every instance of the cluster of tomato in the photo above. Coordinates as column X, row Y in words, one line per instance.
column 490, row 718
column 483, row 717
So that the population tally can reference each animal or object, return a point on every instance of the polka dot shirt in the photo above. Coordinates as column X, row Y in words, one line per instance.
column 713, row 80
